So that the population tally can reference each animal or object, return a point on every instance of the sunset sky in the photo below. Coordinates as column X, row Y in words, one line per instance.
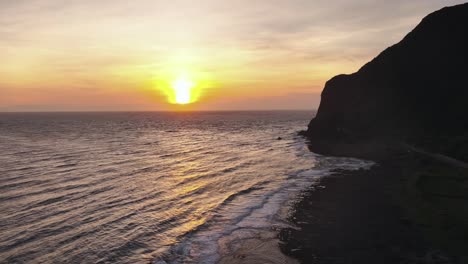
column 88, row 55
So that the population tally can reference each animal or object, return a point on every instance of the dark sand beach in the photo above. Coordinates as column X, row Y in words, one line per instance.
column 352, row 217
column 382, row 215
column 408, row 208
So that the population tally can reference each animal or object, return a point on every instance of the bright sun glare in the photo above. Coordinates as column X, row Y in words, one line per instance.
column 182, row 89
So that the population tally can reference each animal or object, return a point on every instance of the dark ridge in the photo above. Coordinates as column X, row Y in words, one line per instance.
column 415, row 91
column 408, row 109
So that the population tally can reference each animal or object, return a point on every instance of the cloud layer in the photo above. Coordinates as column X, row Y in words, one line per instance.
column 106, row 55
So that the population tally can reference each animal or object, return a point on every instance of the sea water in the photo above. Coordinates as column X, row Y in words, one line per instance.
column 184, row 187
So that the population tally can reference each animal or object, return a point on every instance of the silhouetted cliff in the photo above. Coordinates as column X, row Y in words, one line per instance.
column 415, row 89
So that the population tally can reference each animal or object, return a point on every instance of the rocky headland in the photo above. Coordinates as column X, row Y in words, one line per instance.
column 414, row 91
column 407, row 109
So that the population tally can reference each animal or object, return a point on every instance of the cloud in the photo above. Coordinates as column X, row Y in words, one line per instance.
column 266, row 44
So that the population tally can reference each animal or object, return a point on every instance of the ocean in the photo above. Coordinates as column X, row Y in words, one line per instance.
column 149, row 187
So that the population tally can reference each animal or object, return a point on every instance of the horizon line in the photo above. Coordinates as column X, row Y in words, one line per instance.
column 158, row 111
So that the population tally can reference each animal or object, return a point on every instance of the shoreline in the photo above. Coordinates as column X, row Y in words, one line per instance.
column 265, row 245
column 381, row 215
column 352, row 218
column 384, row 214
column 261, row 249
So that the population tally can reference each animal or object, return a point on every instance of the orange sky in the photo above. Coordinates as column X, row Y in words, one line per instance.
column 121, row 55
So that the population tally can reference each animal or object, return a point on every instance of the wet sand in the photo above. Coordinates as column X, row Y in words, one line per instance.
column 373, row 217
column 352, row 217
column 406, row 209
column 349, row 217
column 263, row 249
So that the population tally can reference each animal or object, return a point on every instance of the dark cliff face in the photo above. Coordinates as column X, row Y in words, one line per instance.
column 416, row 87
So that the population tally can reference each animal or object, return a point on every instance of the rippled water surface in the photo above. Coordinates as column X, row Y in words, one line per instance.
column 146, row 187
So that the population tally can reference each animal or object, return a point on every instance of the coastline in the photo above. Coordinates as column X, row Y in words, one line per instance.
column 382, row 215
column 262, row 249
column 413, row 206
column 353, row 218
column 263, row 246
column 404, row 209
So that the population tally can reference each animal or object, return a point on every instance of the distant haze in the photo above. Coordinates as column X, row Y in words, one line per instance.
column 115, row 55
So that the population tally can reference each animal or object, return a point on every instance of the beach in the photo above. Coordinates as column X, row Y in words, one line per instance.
column 381, row 215
column 386, row 214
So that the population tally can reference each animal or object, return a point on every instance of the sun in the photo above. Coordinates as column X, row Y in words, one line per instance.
column 183, row 91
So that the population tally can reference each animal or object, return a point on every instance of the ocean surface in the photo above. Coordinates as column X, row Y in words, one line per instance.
column 149, row 187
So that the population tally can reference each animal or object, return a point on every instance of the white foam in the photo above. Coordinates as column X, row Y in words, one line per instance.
column 248, row 215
